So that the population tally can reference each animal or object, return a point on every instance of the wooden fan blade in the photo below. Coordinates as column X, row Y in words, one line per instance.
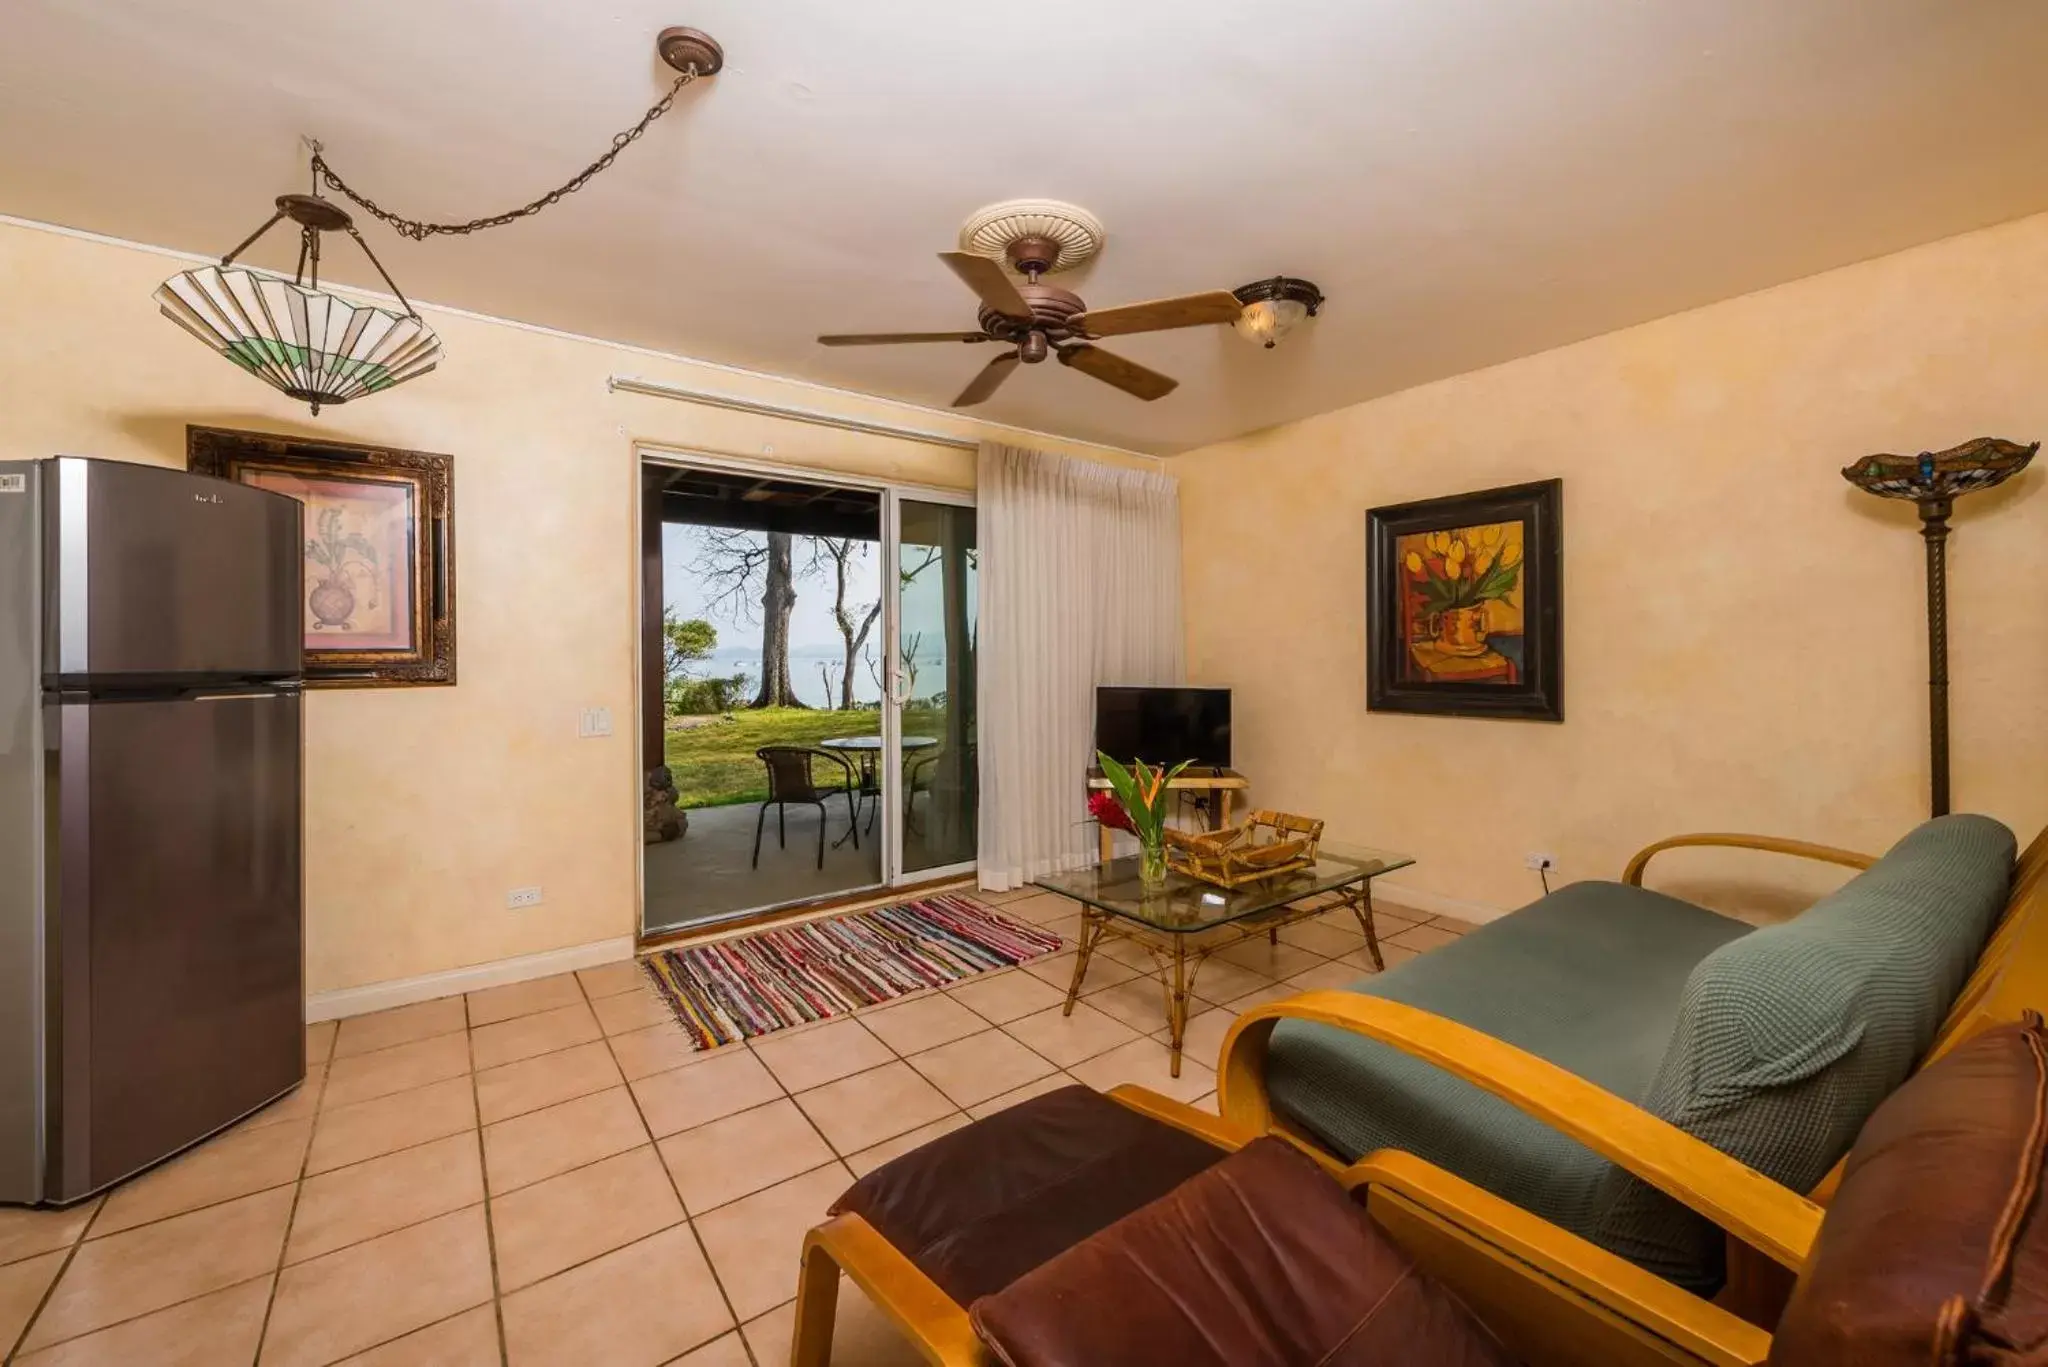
column 987, row 279
column 1158, row 315
column 1111, row 368
column 894, row 338
column 988, row 381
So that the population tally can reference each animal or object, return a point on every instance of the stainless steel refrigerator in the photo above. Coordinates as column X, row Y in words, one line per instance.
column 151, row 941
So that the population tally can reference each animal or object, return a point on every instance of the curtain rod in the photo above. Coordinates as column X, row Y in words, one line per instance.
column 712, row 398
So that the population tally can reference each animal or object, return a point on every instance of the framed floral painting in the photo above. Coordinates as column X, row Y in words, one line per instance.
column 1464, row 604
column 379, row 604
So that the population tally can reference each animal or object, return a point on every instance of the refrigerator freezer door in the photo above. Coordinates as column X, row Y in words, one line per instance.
column 21, row 839
column 156, row 575
column 180, row 995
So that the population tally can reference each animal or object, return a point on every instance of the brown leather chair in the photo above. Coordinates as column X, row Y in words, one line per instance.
column 1078, row 1229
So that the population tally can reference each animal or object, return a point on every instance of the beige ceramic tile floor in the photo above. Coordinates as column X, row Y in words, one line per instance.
column 546, row 1173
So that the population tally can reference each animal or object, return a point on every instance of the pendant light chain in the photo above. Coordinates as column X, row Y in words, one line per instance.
column 419, row 231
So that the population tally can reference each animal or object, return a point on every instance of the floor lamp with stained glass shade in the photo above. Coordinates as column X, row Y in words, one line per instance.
column 1932, row 481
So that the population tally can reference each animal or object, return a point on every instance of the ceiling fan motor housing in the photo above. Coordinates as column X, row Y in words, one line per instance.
column 1052, row 314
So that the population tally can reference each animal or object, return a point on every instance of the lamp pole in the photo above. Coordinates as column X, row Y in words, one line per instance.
column 1932, row 480
column 1934, row 531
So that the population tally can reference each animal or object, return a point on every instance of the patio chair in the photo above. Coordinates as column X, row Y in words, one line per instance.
column 790, row 780
column 917, row 778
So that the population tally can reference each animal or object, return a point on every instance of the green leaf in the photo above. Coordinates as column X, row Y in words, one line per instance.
column 1501, row 581
column 1159, row 801
column 1120, row 781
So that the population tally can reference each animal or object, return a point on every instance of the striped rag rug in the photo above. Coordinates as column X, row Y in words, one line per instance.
column 750, row 985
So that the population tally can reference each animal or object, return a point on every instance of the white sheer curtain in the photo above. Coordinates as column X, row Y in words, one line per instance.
column 1080, row 585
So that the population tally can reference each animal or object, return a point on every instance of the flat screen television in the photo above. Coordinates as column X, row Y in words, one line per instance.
column 1164, row 725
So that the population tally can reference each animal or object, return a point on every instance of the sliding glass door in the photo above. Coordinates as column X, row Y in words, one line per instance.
column 807, row 710
column 928, row 707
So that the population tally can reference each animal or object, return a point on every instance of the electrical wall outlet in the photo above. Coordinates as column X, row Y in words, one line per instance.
column 1540, row 861
column 595, row 722
column 522, row 897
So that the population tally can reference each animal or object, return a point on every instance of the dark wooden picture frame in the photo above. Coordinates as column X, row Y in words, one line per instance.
column 380, row 550
column 1445, row 662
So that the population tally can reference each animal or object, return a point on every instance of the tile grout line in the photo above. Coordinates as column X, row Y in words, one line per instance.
column 297, row 1184
column 483, row 1172
column 840, row 1158
column 988, row 1025
column 689, row 1221
column 328, row 1058
column 284, row 1242
column 896, row 1056
column 50, row 1291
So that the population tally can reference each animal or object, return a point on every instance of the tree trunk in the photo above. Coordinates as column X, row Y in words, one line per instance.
column 856, row 637
column 776, row 601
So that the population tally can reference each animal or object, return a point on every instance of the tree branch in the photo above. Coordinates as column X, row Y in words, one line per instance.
column 731, row 562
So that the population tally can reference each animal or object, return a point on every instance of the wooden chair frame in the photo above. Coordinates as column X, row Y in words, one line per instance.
column 1762, row 1219
column 1556, row 1299
column 1571, row 1302
column 926, row 1316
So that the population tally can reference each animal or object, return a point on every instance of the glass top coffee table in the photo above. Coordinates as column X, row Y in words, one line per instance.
column 1186, row 920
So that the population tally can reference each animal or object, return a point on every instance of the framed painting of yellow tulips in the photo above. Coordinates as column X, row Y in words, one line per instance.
column 1464, row 610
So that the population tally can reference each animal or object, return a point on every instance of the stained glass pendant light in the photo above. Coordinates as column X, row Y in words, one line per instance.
column 293, row 335
column 314, row 346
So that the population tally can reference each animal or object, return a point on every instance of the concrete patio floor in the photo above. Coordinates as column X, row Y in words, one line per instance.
column 709, row 872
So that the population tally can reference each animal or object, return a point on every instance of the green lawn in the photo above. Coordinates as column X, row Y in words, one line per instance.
column 714, row 763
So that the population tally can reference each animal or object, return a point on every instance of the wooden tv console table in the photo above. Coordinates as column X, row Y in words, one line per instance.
column 1222, row 785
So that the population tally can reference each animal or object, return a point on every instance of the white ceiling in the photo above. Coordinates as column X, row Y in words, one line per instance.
column 1468, row 180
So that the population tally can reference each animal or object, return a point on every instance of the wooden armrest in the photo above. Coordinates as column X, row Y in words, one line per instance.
column 1775, row 1220
column 926, row 1316
column 1199, row 1123
column 1827, row 854
column 1701, row 1328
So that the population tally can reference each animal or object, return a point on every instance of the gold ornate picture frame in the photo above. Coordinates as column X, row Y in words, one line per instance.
column 379, row 602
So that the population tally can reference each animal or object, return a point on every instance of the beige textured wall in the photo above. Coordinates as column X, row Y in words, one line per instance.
column 425, row 805
column 1744, row 633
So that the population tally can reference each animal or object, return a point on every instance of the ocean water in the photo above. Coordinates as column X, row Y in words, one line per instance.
column 811, row 689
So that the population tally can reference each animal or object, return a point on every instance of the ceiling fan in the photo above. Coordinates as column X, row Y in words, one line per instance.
column 1038, row 320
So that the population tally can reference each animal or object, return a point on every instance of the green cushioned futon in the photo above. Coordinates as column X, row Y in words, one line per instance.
column 1772, row 1044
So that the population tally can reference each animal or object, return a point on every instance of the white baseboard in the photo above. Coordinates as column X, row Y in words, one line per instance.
column 355, row 1001
column 1435, row 903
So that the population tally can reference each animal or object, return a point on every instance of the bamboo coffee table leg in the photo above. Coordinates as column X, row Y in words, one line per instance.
column 1105, row 843
column 1091, row 932
column 1361, row 907
column 1177, row 1002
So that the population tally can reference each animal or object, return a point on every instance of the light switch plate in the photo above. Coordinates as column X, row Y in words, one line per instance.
column 595, row 722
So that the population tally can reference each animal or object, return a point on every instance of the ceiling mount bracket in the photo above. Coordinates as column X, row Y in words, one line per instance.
column 690, row 49
column 1060, row 236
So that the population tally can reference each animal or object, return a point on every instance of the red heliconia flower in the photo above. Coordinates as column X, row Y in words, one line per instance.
column 1103, row 806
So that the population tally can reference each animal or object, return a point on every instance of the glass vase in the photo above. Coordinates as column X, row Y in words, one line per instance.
column 1152, row 866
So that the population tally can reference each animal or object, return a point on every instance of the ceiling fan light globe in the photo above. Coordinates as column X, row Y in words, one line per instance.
column 1265, row 321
